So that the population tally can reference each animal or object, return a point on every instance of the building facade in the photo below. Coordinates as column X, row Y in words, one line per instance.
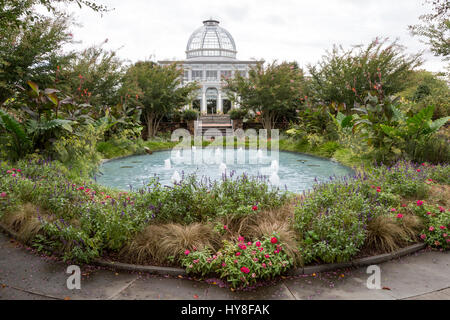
column 211, row 57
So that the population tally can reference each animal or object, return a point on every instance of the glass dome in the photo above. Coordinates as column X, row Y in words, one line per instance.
column 210, row 40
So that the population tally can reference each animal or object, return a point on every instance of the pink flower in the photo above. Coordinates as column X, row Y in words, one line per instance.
column 196, row 261
column 274, row 240
column 3, row 194
column 240, row 239
column 224, row 264
column 245, row 269
column 9, row 171
column 393, row 210
column 419, row 202
column 442, row 227
column 253, row 275
column 187, row 252
column 423, row 164
column 423, row 236
column 242, row 246
column 255, row 259
column 263, row 265
column 80, row 188
column 254, row 208
column 441, row 209
column 249, row 243
column 431, row 228
column 444, row 235
column 235, row 261
column 258, row 244
column 18, row 170
column 399, row 216
column 225, row 227
column 428, row 213
column 13, row 174
column 266, row 256
column 238, row 254
column 276, row 251
column 403, row 205
column 418, row 170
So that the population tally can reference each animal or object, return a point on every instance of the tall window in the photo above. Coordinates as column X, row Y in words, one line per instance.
column 211, row 74
column 197, row 74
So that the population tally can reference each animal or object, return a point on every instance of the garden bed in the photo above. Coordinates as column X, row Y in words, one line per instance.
column 239, row 228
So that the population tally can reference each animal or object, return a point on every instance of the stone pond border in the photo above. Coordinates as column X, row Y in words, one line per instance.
column 307, row 270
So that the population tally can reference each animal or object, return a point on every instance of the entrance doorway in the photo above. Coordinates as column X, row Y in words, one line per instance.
column 211, row 100
column 226, row 105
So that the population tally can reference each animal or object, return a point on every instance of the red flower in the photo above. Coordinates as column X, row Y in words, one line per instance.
column 423, row 236
column 442, row 227
column 419, row 202
column 254, row 208
column 225, row 227
column 245, row 270
column 441, row 209
column 399, row 216
column 187, row 252
column 238, row 254
column 418, row 170
column 274, row 240
column 431, row 228
column 258, row 244
column 403, row 205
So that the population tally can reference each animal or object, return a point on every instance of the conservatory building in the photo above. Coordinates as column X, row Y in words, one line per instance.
column 210, row 57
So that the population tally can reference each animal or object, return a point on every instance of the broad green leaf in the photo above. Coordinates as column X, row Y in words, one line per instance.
column 34, row 86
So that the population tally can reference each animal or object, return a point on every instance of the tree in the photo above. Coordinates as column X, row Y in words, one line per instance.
column 435, row 28
column 92, row 76
column 13, row 13
column 272, row 92
column 347, row 76
column 32, row 52
column 157, row 90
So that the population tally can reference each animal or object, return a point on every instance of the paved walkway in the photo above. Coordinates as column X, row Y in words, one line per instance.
column 26, row 275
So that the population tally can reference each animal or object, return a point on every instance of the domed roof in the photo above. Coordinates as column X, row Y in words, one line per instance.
column 210, row 40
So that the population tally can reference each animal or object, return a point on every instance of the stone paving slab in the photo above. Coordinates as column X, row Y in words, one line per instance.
column 7, row 293
column 437, row 295
column 22, row 269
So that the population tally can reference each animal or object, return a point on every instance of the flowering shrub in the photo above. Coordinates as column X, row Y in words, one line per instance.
column 437, row 224
column 331, row 222
column 241, row 263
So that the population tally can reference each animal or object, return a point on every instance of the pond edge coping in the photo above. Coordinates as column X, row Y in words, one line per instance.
column 307, row 270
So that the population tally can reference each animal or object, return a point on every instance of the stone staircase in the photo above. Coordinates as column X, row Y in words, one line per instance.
column 217, row 123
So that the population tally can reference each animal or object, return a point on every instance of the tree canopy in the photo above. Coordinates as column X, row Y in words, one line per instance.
column 271, row 91
column 157, row 89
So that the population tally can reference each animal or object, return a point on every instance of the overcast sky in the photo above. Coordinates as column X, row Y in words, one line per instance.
column 300, row 30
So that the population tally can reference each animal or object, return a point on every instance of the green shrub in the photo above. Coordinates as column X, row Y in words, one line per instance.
column 237, row 114
column 331, row 222
column 189, row 114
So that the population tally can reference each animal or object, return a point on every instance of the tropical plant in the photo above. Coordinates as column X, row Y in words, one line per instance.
column 16, row 139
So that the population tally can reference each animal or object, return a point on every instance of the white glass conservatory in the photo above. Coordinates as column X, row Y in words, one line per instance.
column 210, row 57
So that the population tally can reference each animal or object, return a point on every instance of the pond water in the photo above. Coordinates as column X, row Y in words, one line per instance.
column 294, row 171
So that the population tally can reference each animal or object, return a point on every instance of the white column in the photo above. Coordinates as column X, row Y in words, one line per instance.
column 219, row 102
column 203, row 104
